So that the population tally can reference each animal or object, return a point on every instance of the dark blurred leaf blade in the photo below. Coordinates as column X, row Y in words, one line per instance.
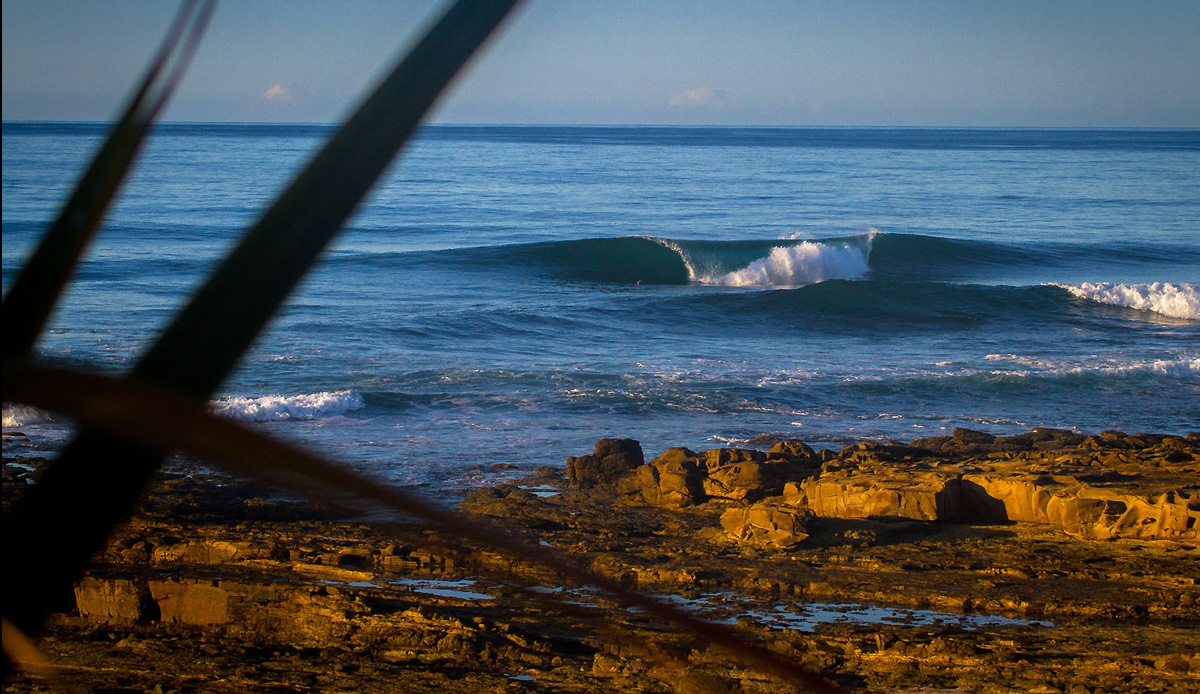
column 24, row 654
column 204, row 342
column 95, row 482
column 36, row 289
column 161, row 420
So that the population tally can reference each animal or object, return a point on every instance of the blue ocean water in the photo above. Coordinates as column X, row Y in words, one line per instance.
column 512, row 294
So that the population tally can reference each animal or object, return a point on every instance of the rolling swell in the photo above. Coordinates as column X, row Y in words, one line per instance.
column 785, row 263
column 781, row 263
column 626, row 260
column 660, row 261
column 913, row 256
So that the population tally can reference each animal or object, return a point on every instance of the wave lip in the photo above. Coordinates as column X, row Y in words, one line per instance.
column 278, row 408
column 794, row 265
column 1180, row 300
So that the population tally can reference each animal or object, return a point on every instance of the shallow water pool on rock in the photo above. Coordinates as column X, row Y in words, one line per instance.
column 728, row 608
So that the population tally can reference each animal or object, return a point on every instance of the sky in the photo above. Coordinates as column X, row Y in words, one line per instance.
column 1043, row 63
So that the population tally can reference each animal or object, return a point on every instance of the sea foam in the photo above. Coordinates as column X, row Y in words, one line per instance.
column 800, row 264
column 1180, row 300
column 1185, row 367
column 276, row 408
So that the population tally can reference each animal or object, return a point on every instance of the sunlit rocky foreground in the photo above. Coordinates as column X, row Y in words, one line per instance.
column 1045, row 562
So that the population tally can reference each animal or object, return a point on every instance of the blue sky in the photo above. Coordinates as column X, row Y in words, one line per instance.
column 761, row 62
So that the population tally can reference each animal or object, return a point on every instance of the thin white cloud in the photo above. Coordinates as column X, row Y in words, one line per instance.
column 277, row 92
column 700, row 97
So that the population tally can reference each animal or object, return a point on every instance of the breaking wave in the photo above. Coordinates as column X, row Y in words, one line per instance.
column 805, row 263
column 24, row 415
column 277, row 408
column 744, row 263
column 1180, row 300
column 781, row 263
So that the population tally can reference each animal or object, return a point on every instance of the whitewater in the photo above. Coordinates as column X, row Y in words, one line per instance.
column 1180, row 300
column 278, row 408
column 786, row 263
column 694, row 287
column 806, row 263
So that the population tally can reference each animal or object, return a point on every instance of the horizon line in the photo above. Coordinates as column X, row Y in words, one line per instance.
column 17, row 121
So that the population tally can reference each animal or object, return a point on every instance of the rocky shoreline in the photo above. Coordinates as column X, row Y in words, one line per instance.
column 1045, row 562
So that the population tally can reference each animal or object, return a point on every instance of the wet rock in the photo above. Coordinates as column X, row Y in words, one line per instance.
column 675, row 479
column 206, row 552
column 1017, row 442
column 793, row 495
column 606, row 665
column 1097, row 514
column 766, row 525
column 1080, row 510
column 114, row 599
column 694, row 682
column 1095, row 488
column 1053, row 439
column 681, row 477
column 971, row 436
column 994, row 499
column 964, row 441
column 719, row 458
column 872, row 453
column 1173, row 663
column 735, row 473
column 927, row 497
column 793, row 450
column 190, row 602
column 933, row 443
column 612, row 459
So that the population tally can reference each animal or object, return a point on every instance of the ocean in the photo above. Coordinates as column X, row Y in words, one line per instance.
column 511, row 294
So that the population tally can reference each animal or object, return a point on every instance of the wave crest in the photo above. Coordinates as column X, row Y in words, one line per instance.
column 1180, row 300
column 793, row 266
column 800, row 264
column 277, row 408
column 24, row 415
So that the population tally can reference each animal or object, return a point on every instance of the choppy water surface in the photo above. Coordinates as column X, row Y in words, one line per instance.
column 511, row 294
